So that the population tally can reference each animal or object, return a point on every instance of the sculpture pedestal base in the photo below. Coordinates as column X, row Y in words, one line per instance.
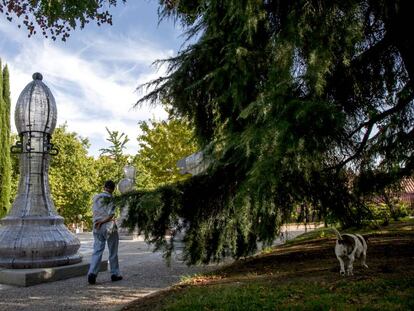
column 37, row 242
column 28, row 277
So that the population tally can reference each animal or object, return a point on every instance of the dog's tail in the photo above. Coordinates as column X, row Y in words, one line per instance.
column 338, row 235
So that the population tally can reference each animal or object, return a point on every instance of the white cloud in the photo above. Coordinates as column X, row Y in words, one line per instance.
column 93, row 80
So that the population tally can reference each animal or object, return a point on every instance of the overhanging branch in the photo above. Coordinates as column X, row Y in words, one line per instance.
column 405, row 96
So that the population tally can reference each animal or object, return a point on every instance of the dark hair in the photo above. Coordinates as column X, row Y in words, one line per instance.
column 109, row 184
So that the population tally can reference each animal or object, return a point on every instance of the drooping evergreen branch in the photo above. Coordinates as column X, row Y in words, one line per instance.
column 288, row 97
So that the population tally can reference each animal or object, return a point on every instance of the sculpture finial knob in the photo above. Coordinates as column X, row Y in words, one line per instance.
column 37, row 76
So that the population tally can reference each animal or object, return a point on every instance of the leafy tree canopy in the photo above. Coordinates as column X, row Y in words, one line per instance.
column 15, row 174
column 113, row 159
column 162, row 144
column 72, row 176
column 118, row 144
column 56, row 18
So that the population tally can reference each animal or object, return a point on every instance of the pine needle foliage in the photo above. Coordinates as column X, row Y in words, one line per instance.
column 295, row 101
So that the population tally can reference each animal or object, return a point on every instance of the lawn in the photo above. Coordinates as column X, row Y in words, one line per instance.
column 303, row 275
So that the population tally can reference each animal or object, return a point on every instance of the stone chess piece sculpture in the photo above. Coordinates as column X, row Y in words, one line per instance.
column 126, row 185
column 33, row 235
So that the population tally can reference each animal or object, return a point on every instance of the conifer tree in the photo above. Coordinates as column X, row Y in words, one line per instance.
column 7, row 133
column 299, row 102
column 5, row 160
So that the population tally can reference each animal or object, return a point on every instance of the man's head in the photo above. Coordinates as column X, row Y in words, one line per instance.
column 109, row 186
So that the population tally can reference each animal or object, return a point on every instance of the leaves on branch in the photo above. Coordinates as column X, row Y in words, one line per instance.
column 57, row 18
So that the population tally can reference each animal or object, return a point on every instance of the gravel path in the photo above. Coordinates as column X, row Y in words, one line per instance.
column 144, row 272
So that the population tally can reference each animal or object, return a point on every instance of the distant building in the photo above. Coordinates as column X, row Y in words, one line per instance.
column 407, row 194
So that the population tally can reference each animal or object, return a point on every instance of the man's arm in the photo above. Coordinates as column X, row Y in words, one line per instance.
column 111, row 216
column 98, row 224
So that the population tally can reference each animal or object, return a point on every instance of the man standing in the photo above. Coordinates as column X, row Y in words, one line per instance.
column 104, row 231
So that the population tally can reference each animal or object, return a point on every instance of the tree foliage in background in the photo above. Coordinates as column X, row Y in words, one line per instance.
column 112, row 159
column 15, row 174
column 107, row 169
column 5, row 159
column 72, row 176
column 162, row 144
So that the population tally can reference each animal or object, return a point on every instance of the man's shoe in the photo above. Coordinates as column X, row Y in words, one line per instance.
column 115, row 278
column 91, row 278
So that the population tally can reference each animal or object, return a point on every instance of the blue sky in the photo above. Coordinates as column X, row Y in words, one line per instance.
column 94, row 75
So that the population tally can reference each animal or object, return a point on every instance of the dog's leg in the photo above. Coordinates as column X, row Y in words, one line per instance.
column 341, row 263
column 364, row 249
column 364, row 258
column 351, row 265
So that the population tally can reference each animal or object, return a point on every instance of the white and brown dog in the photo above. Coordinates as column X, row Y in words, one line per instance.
column 349, row 247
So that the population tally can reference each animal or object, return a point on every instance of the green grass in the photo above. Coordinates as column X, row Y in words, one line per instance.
column 302, row 294
column 312, row 235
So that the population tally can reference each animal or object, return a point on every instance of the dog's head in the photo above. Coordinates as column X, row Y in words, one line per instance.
column 346, row 245
column 343, row 249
